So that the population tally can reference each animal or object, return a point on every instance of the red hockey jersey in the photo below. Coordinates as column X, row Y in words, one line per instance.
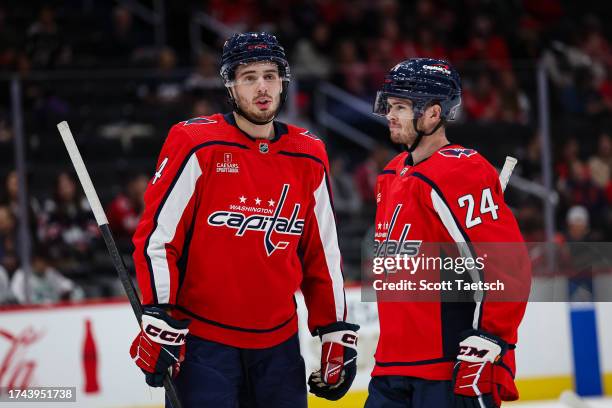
column 454, row 196
column 233, row 226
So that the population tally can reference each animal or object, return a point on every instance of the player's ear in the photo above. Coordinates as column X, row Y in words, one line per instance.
column 436, row 111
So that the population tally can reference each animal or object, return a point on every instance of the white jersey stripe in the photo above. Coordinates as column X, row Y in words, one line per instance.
column 169, row 216
column 464, row 249
column 329, row 239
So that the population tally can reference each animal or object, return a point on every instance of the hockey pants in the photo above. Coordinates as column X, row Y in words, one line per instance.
column 220, row 376
column 408, row 392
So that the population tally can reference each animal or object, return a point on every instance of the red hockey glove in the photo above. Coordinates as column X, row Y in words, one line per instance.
column 338, row 361
column 159, row 345
column 474, row 381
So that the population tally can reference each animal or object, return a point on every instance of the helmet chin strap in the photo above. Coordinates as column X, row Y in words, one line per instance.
column 421, row 133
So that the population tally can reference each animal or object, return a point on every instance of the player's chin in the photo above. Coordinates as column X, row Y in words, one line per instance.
column 263, row 116
column 396, row 136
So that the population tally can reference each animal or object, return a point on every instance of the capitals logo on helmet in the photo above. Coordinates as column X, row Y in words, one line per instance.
column 424, row 81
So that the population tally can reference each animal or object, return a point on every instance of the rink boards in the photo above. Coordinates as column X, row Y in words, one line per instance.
column 45, row 347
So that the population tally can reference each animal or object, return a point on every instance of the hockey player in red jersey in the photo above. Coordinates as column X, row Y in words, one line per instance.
column 436, row 353
column 237, row 218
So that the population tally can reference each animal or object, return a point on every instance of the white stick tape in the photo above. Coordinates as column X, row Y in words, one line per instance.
column 81, row 170
column 506, row 172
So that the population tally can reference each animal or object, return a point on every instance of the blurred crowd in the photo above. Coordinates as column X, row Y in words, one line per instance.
column 352, row 44
column 64, row 237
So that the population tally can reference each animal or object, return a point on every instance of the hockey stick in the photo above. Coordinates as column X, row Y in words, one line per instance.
column 98, row 211
column 506, row 171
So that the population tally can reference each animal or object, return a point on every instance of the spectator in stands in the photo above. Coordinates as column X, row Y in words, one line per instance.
column 45, row 46
column 238, row 14
column 8, row 240
column 202, row 107
column 579, row 189
column 485, row 46
column 594, row 42
column 351, row 72
column 577, row 77
column 402, row 46
column 68, row 227
column 482, row 103
column 10, row 198
column 125, row 41
column 379, row 59
column 347, row 202
column 426, row 13
column 428, row 44
column 514, row 104
column 46, row 284
column 9, row 42
column 569, row 154
column 531, row 160
column 6, row 133
column 312, row 54
column 530, row 39
column 6, row 294
column 165, row 87
column 125, row 209
column 205, row 75
column 605, row 90
column 577, row 260
column 583, row 98
column 577, row 224
column 529, row 218
column 600, row 165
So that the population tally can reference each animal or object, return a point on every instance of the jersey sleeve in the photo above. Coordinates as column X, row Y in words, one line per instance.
column 471, row 207
column 170, row 200
column 323, row 282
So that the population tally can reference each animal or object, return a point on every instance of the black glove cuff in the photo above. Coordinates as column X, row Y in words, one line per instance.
column 334, row 327
column 161, row 314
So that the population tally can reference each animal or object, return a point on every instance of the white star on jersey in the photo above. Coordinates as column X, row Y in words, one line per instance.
column 257, row 201
column 242, row 199
column 271, row 203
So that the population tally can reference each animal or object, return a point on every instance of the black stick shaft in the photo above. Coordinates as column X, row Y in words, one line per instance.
column 98, row 211
column 130, row 291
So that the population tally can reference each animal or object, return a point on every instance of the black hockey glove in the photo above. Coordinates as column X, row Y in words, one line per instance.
column 338, row 361
column 159, row 345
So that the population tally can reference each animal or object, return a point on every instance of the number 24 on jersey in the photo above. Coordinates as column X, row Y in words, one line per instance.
column 487, row 205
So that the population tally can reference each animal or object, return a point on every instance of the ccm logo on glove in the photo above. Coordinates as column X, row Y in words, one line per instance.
column 349, row 338
column 161, row 332
column 468, row 351
column 164, row 335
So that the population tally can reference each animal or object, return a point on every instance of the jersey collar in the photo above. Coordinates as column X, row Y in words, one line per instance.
column 410, row 162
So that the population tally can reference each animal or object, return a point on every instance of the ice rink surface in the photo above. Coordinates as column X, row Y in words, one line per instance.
column 586, row 403
column 356, row 400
